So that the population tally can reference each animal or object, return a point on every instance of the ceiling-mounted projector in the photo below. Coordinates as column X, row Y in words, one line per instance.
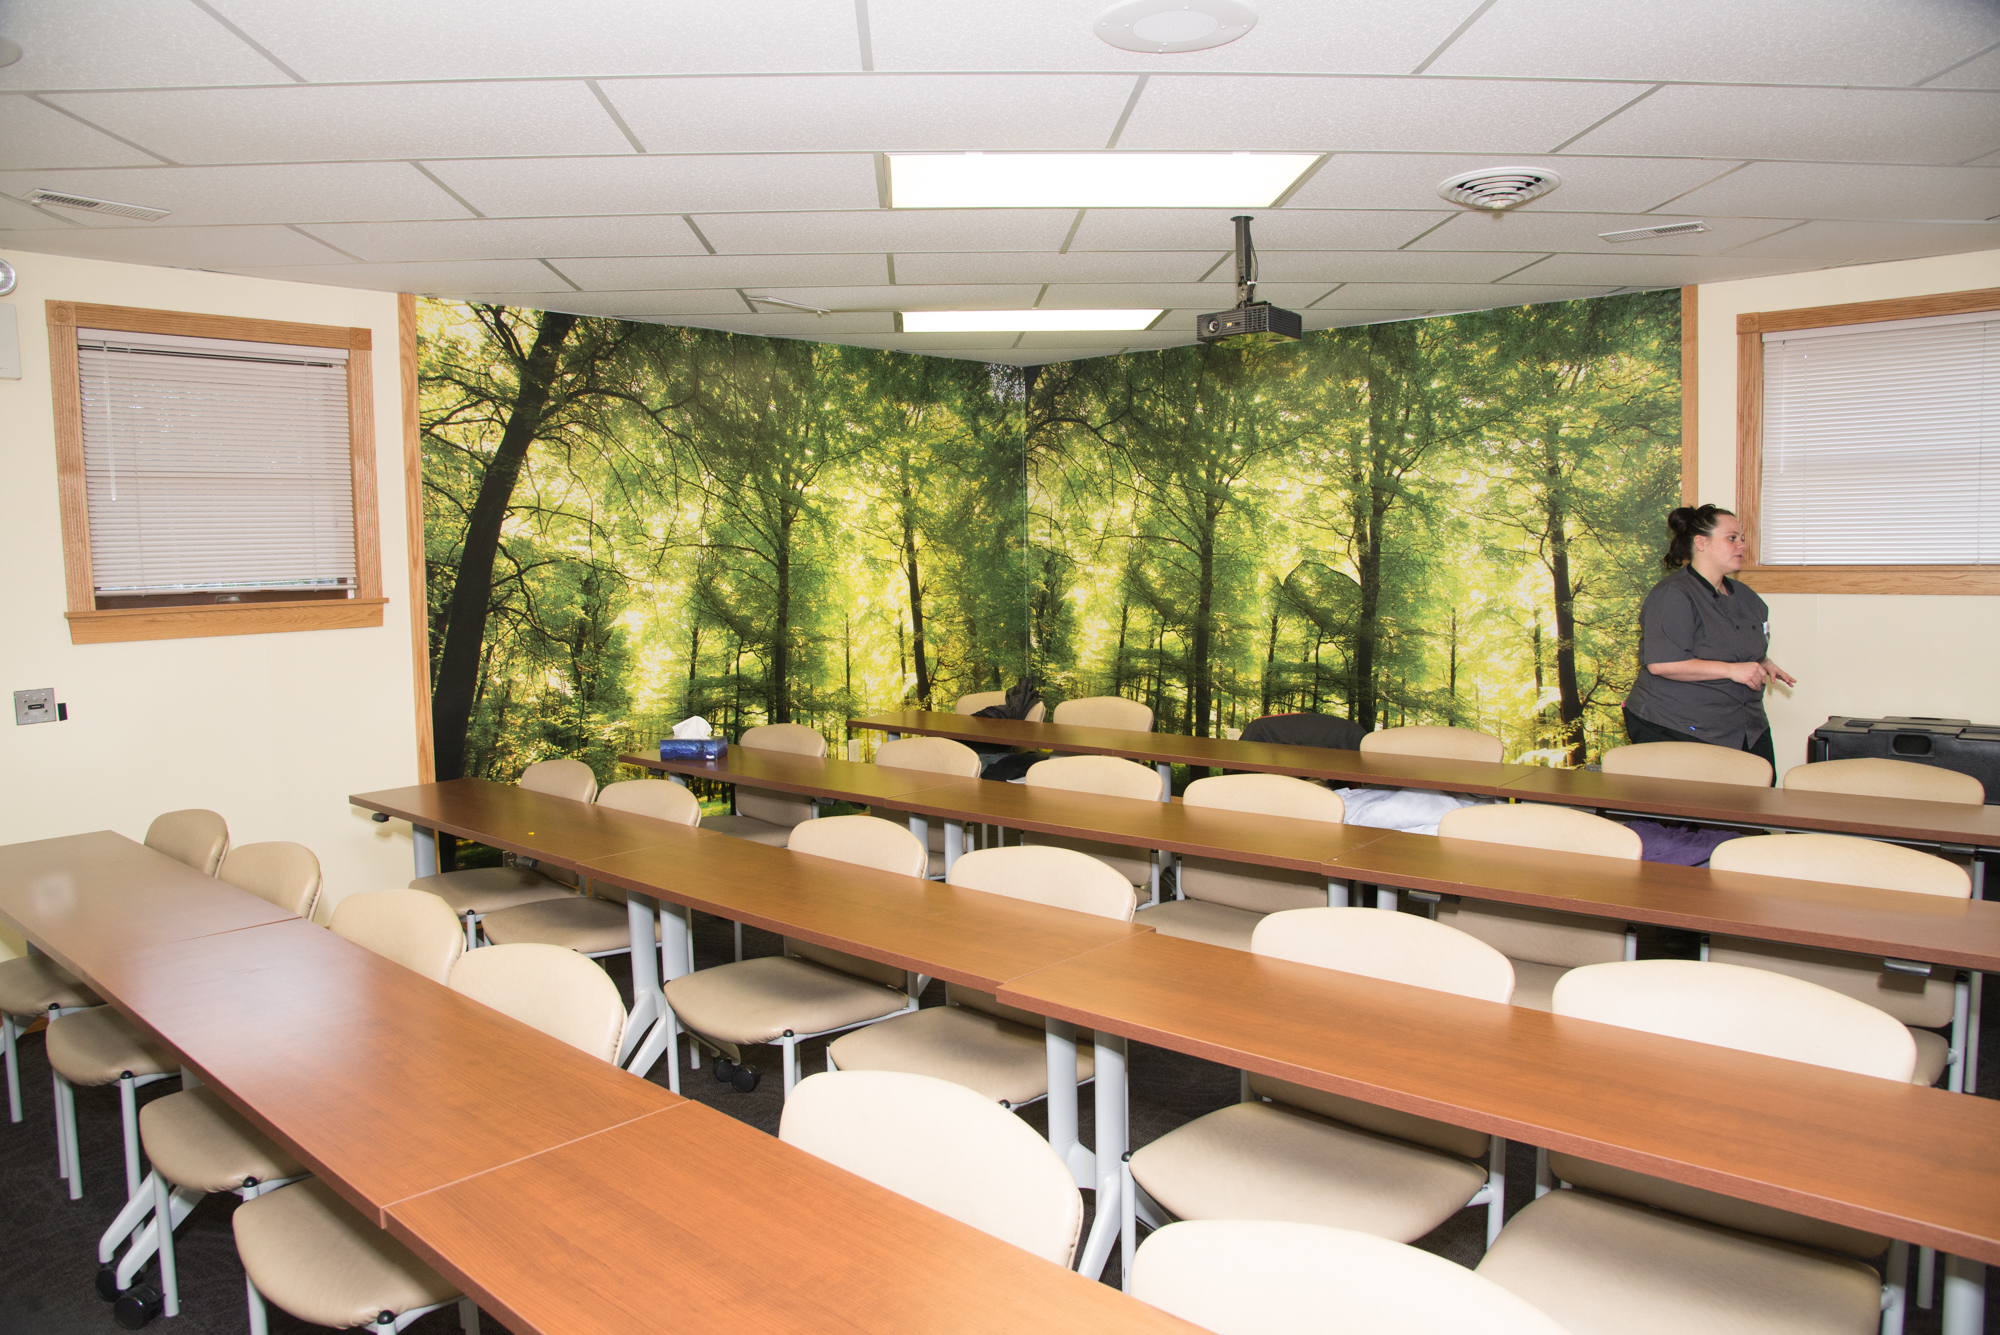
column 1250, row 322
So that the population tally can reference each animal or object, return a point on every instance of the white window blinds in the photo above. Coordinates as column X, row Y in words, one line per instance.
column 215, row 465
column 1882, row 444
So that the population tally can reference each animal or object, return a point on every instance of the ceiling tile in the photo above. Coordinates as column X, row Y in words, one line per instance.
column 872, row 113
column 802, row 326
column 913, row 297
column 1410, row 180
column 1812, row 124
column 541, row 187
column 125, row 44
column 1850, row 242
column 1108, row 340
column 1725, row 41
column 483, row 39
column 1622, row 270
column 332, row 192
column 620, row 305
column 1210, row 230
column 1525, row 231
column 1368, row 115
column 1043, row 267
column 883, row 230
column 1845, row 190
column 752, row 271
column 1210, row 296
column 512, row 238
column 21, row 217
column 1450, row 296
column 437, row 279
column 1345, row 35
column 177, row 247
column 1981, row 72
column 300, row 124
column 32, row 135
column 1378, row 266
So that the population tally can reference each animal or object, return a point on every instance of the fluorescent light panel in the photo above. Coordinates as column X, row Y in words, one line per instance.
column 1092, row 180
column 1021, row 322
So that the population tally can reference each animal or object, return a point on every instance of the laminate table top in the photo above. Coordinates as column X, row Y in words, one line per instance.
column 1918, row 1164
column 690, row 1221
column 809, row 776
column 557, row 830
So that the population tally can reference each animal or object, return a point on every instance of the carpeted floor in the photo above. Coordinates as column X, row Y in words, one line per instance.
column 48, row 1242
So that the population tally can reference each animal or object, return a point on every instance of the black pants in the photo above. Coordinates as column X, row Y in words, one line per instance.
column 1645, row 730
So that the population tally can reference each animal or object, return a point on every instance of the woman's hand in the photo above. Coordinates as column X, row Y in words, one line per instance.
column 1772, row 672
column 1752, row 675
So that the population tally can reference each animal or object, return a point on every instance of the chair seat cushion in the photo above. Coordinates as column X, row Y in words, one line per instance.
column 33, row 983
column 196, row 1140
column 1603, row 1267
column 96, row 1047
column 490, row 889
column 756, row 1001
column 749, row 827
column 1535, row 984
column 1001, row 1060
column 1264, row 1161
column 587, row 926
column 315, row 1256
column 1199, row 920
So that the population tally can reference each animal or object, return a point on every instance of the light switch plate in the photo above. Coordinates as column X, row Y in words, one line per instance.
column 35, row 706
column 10, row 343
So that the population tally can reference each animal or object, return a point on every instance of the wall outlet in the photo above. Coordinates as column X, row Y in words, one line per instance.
column 35, row 706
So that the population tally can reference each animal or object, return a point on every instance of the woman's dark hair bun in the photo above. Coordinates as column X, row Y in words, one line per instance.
column 1687, row 523
column 1682, row 519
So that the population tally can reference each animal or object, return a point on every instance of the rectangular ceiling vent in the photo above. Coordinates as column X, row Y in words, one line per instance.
column 1653, row 233
column 89, row 205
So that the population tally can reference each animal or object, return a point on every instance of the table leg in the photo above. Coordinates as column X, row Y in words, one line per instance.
column 1166, row 781
column 1060, row 1039
column 1964, row 1297
column 426, row 849
column 670, row 958
column 954, row 844
column 1112, row 1134
column 648, row 1003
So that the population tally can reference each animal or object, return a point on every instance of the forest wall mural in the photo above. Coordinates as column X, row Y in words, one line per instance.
column 1450, row 520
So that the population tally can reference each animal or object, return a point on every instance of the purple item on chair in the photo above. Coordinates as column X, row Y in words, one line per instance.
column 1682, row 845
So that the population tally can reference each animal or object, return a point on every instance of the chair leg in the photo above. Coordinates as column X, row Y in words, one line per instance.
column 736, row 931
column 471, row 930
column 1545, row 1179
column 163, row 1225
column 1895, row 1278
column 1128, row 1228
column 1961, row 1004
column 468, row 1316
column 790, row 1046
column 9, row 1030
column 128, row 1110
column 66, row 1133
column 131, row 1220
column 260, row 1323
column 1496, row 1185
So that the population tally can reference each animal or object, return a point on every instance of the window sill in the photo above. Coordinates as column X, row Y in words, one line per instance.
column 1874, row 579
column 182, row 623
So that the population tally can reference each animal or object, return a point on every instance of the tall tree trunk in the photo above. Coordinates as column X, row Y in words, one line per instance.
column 916, row 601
column 1200, row 682
column 1118, row 660
column 472, row 591
column 780, row 691
column 1452, row 680
column 1270, row 658
column 694, row 661
column 1368, row 625
column 1565, row 600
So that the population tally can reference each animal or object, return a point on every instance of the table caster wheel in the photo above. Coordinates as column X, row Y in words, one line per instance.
column 745, row 1080
column 107, row 1283
column 138, row 1305
column 725, row 1070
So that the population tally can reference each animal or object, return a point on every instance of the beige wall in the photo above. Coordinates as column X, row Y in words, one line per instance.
column 1862, row 655
column 273, row 731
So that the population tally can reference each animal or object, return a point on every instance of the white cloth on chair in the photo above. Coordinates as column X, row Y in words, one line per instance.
column 1414, row 810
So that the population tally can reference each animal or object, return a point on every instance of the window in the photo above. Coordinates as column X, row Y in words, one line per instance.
column 1868, row 446
column 216, row 474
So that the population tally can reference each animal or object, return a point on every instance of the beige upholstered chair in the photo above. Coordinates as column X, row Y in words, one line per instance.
column 101, row 1047
column 477, row 891
column 319, row 1258
column 1643, row 1256
column 1689, row 760
column 1881, row 777
column 943, row 1146
column 764, row 816
column 1541, row 943
column 1222, row 902
column 198, row 838
column 1104, row 711
column 1113, row 777
column 197, row 1144
column 1306, row 1156
column 1938, row 1000
column 1431, row 740
column 972, row 704
column 1256, row 1276
column 935, row 755
column 810, row 990
column 973, row 1039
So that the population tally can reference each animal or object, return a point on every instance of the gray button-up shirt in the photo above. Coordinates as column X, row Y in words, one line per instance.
column 1684, row 617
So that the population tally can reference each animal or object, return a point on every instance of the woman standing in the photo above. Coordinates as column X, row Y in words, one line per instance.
column 1703, row 644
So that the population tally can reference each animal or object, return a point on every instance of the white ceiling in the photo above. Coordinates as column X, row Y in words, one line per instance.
column 663, row 160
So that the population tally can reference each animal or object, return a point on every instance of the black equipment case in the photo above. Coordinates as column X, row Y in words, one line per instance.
column 1949, row 743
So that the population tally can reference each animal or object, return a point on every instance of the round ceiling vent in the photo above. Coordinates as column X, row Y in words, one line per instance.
column 1162, row 26
column 1497, row 188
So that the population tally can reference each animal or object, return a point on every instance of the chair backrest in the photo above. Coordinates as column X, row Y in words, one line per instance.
column 1255, row 1276
column 1689, row 760
column 944, row 1146
column 1433, row 740
column 198, row 838
column 773, row 807
column 555, row 990
column 1104, row 711
column 1537, row 825
column 414, row 928
column 866, row 841
column 652, row 797
column 1108, row 775
column 1242, row 885
column 1396, row 947
column 938, row 755
column 561, row 777
column 1059, row 877
column 1266, row 795
column 1878, row 776
column 978, row 700
column 1843, row 860
column 795, row 738
column 285, row 874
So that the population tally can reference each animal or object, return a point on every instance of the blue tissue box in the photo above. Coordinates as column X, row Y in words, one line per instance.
column 704, row 748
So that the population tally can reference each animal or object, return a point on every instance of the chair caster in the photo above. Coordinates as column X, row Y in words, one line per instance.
column 138, row 1305
column 745, row 1080
column 724, row 1069
column 107, row 1283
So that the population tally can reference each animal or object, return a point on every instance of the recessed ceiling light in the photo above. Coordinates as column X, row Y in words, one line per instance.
column 1655, row 233
column 1160, row 27
column 9, row 51
column 1092, row 180
column 1497, row 188
column 64, row 200
column 1022, row 322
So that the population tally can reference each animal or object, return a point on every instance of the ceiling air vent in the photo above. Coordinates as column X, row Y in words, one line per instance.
column 89, row 205
column 1497, row 188
column 1654, row 233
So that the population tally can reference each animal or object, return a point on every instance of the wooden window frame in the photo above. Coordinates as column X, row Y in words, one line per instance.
column 88, row 624
column 1750, row 330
